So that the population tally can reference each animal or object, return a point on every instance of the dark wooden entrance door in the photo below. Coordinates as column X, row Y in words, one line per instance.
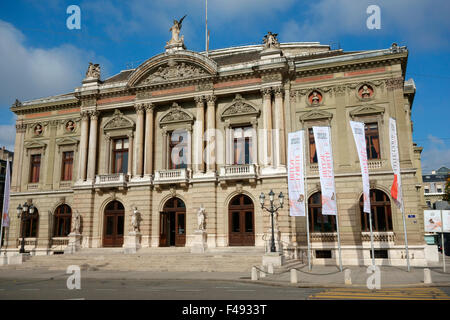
column 113, row 225
column 241, row 224
column 173, row 224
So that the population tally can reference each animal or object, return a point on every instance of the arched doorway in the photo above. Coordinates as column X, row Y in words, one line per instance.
column 172, row 224
column 241, row 221
column 113, row 224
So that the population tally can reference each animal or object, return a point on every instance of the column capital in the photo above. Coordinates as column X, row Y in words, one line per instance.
column 211, row 99
column 266, row 92
column 84, row 115
column 21, row 127
column 199, row 99
column 94, row 114
column 149, row 106
column 279, row 91
column 140, row 108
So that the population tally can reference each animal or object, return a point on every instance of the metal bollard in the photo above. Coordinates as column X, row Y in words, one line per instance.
column 348, row 277
column 254, row 274
column 294, row 278
column 427, row 276
column 270, row 268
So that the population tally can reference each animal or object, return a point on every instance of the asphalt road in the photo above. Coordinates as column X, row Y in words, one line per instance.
column 103, row 289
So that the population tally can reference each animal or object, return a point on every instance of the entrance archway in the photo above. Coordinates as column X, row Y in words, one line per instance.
column 113, row 224
column 172, row 224
column 241, row 221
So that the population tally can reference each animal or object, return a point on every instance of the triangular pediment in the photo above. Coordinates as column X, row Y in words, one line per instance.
column 175, row 67
column 316, row 115
column 119, row 121
column 66, row 141
column 176, row 115
column 35, row 144
column 367, row 110
column 240, row 107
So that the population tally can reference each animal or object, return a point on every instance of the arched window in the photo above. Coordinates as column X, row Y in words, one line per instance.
column 29, row 226
column 380, row 206
column 63, row 219
column 317, row 221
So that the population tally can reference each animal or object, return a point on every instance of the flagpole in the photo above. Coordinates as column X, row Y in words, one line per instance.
column 306, row 200
column 337, row 206
column 206, row 27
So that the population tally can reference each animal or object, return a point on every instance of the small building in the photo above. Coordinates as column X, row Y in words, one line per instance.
column 434, row 186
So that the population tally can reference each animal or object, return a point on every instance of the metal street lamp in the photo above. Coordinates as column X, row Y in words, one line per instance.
column 23, row 213
column 272, row 209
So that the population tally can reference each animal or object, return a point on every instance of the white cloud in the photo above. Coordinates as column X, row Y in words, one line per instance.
column 436, row 155
column 30, row 73
column 418, row 22
column 7, row 136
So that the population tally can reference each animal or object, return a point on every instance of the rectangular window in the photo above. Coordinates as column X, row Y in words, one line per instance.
column 35, row 168
column 312, row 147
column 242, row 145
column 178, row 149
column 372, row 141
column 323, row 254
column 120, row 155
column 67, row 166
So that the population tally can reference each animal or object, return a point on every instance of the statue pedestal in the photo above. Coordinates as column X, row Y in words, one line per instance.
column 199, row 243
column 132, row 242
column 271, row 53
column 74, row 243
column 276, row 259
column 175, row 46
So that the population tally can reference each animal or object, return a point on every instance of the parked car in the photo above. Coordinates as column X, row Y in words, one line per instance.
column 446, row 242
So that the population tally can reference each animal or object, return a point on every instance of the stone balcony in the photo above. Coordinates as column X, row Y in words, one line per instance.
column 171, row 176
column 238, row 172
column 113, row 180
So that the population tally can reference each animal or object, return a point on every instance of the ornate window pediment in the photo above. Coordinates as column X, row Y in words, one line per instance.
column 35, row 145
column 366, row 111
column 316, row 115
column 239, row 107
column 119, row 122
column 176, row 115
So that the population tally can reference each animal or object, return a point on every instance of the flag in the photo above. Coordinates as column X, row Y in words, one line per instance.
column 396, row 189
column 5, row 210
column 296, row 175
column 326, row 170
column 360, row 140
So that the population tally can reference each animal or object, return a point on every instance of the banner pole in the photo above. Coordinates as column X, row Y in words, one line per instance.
column 371, row 238
column 306, row 200
column 442, row 241
column 406, row 238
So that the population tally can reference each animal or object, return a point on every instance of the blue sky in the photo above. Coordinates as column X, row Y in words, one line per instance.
column 40, row 56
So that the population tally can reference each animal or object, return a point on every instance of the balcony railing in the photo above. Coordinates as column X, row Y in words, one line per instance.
column 111, row 180
column 171, row 176
column 379, row 236
column 375, row 164
column 238, row 171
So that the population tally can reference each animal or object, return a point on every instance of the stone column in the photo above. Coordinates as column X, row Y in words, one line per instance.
column 130, row 154
column 148, row 154
column 83, row 146
column 164, row 149
column 139, row 147
column 92, row 158
column 199, row 129
column 18, row 158
column 267, row 126
column 211, row 122
column 255, row 141
column 107, row 149
column 280, row 146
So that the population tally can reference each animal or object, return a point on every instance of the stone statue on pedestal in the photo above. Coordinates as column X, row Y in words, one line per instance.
column 270, row 41
column 201, row 218
column 135, row 219
column 76, row 222
column 175, row 29
column 93, row 71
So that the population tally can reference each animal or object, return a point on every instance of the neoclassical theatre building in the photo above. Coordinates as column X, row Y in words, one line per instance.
column 186, row 130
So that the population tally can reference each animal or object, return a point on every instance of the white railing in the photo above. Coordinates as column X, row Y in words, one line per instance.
column 111, row 179
column 171, row 175
column 238, row 170
column 379, row 236
column 375, row 164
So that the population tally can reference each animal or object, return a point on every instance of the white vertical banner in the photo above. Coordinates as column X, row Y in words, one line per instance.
column 326, row 170
column 396, row 190
column 296, row 174
column 360, row 140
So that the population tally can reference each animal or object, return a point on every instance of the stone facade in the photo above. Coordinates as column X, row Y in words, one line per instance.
column 265, row 89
